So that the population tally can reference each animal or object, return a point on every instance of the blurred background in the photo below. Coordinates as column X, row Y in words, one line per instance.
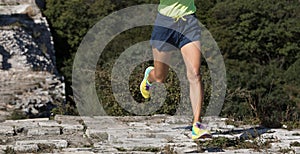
column 259, row 40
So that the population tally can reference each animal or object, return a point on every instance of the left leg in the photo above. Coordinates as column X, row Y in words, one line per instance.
column 191, row 54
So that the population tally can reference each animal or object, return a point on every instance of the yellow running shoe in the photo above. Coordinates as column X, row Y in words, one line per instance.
column 145, row 85
column 199, row 131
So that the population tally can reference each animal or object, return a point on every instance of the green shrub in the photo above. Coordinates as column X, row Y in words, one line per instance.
column 259, row 41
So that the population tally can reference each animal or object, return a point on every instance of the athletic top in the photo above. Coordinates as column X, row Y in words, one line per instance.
column 176, row 8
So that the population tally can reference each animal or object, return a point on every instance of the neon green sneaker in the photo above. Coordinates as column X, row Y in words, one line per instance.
column 145, row 85
column 199, row 131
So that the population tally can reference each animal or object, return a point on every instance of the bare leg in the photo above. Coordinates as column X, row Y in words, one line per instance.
column 161, row 67
column 191, row 54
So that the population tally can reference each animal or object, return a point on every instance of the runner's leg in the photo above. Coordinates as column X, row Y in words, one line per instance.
column 161, row 67
column 191, row 54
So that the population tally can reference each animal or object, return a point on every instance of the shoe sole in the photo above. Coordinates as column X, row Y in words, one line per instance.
column 204, row 136
column 141, row 89
column 145, row 74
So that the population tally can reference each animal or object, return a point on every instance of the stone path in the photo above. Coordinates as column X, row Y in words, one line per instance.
column 140, row 134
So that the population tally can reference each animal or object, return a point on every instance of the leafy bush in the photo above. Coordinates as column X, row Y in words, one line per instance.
column 259, row 41
column 259, row 91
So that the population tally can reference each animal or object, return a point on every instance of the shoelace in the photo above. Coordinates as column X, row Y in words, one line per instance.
column 148, row 86
column 177, row 18
column 201, row 126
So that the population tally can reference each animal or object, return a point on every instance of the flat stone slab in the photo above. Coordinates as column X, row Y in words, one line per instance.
column 6, row 130
column 44, row 131
column 26, row 120
column 57, row 143
column 30, row 148
column 17, row 9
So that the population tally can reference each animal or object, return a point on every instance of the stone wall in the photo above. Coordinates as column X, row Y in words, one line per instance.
column 28, row 76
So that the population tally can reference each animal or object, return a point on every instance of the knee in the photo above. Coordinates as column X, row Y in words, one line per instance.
column 159, row 77
column 194, row 77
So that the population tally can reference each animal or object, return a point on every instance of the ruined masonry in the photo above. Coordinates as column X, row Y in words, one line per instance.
column 29, row 81
column 135, row 134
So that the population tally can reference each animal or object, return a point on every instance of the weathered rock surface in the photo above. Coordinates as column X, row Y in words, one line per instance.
column 140, row 134
column 28, row 78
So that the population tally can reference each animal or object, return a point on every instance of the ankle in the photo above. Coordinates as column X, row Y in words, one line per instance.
column 150, row 84
column 197, row 120
column 196, row 123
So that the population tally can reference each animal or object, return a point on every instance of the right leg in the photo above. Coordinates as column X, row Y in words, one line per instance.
column 161, row 67
column 158, row 73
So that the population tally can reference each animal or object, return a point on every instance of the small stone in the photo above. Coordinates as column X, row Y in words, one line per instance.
column 31, row 148
column 6, row 130
column 76, row 150
column 97, row 134
column 44, row 131
column 56, row 143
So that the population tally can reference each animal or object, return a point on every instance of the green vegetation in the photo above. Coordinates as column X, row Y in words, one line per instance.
column 295, row 144
column 17, row 115
column 290, row 125
column 286, row 150
column 46, row 148
column 168, row 150
column 258, row 39
column 144, row 149
column 226, row 143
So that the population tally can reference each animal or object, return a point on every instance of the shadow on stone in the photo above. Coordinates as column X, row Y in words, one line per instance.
column 184, row 128
column 14, row 19
column 214, row 150
column 40, row 4
column 5, row 56
column 254, row 132
column 246, row 134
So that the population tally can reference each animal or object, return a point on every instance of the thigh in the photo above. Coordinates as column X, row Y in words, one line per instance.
column 191, row 31
column 161, row 62
column 191, row 54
